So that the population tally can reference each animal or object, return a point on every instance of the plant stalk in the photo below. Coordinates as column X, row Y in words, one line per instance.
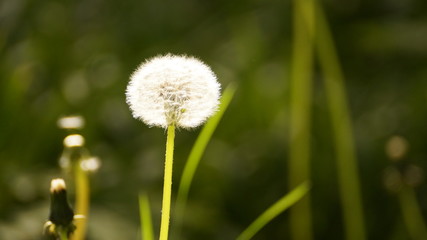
column 63, row 234
column 167, row 185
column 82, row 200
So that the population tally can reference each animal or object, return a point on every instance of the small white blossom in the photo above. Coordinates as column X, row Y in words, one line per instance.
column 173, row 90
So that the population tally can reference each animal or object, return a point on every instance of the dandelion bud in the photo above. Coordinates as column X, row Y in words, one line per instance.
column 173, row 90
column 61, row 215
column 57, row 185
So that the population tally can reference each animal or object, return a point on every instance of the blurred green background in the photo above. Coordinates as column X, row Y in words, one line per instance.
column 75, row 57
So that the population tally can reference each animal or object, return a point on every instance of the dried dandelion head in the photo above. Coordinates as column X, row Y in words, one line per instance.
column 173, row 90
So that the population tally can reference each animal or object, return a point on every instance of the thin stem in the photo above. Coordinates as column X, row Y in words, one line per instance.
column 167, row 185
column 82, row 200
column 145, row 214
column 63, row 233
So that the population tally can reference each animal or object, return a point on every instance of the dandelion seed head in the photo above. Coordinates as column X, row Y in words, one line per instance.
column 173, row 90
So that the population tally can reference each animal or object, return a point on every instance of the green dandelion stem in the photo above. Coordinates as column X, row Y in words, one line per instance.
column 167, row 187
column 63, row 235
column 82, row 200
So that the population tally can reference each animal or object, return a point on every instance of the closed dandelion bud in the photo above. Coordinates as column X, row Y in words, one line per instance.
column 61, row 215
column 173, row 90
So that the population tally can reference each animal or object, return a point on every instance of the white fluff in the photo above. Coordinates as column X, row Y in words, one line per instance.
column 173, row 90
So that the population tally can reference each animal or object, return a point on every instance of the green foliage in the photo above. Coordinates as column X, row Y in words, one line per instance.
column 196, row 154
column 145, row 215
column 281, row 205
column 75, row 57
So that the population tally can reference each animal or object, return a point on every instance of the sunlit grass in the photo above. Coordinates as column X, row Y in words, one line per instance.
column 307, row 108
column 196, row 154
column 306, row 13
column 281, row 205
column 348, row 176
column 145, row 217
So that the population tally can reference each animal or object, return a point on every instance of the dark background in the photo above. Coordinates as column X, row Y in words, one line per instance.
column 75, row 57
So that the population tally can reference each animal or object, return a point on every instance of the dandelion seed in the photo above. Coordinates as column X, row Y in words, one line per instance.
column 173, row 90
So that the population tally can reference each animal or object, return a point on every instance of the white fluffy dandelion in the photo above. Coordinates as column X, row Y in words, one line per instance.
column 173, row 90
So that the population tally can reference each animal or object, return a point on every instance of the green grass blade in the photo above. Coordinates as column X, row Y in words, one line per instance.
column 197, row 152
column 145, row 215
column 411, row 212
column 342, row 128
column 284, row 203
column 301, row 85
